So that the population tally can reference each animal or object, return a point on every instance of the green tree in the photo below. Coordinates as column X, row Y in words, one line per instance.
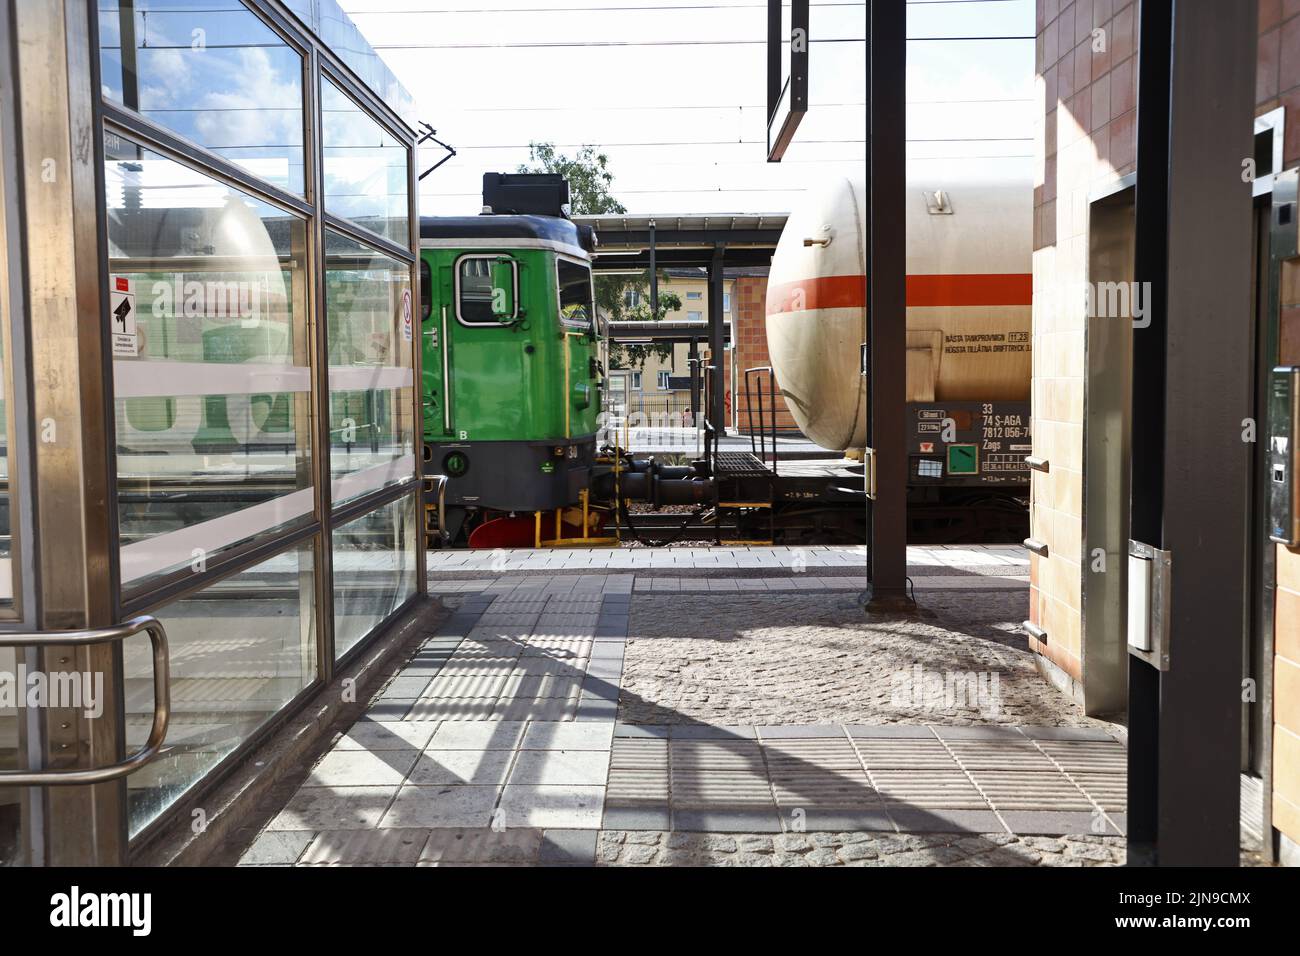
column 591, row 194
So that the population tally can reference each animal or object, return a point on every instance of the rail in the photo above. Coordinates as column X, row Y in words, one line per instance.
column 759, row 447
column 161, row 701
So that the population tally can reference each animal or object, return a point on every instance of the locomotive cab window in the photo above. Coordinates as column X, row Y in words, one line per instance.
column 574, row 282
column 487, row 290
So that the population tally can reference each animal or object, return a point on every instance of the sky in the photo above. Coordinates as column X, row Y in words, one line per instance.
column 672, row 91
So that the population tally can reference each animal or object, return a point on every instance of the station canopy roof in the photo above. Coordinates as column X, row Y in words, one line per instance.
column 747, row 239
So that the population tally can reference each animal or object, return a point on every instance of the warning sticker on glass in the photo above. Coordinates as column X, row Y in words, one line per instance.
column 406, row 315
column 121, row 316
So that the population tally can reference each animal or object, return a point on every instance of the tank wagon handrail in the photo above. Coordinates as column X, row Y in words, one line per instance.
column 761, row 450
column 161, row 703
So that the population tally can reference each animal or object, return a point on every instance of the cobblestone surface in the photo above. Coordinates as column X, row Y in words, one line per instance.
column 807, row 659
column 655, row 848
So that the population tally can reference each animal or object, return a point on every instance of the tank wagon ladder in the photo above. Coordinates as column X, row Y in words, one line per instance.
column 739, row 475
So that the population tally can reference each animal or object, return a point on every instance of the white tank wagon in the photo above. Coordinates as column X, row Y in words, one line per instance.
column 969, row 286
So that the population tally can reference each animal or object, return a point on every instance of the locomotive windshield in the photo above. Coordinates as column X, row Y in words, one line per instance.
column 575, row 294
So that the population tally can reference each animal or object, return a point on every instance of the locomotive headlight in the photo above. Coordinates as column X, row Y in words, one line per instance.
column 455, row 464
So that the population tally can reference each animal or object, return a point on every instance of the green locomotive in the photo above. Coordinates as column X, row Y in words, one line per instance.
column 511, row 368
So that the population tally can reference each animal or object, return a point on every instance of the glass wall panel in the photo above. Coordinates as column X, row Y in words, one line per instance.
column 10, row 809
column 211, row 379
column 365, row 168
column 213, row 72
column 374, row 570
column 240, row 650
column 369, row 329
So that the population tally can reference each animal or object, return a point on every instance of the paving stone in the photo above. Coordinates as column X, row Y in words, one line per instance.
column 537, row 708
column 986, row 732
column 905, row 754
column 657, row 731
column 520, row 845
column 438, row 767
column 803, row 754
column 466, row 684
column 637, row 788
column 1020, row 790
column 928, row 789
column 943, row 820
column 656, row 817
column 710, row 732
column 571, row 847
column 442, row 806
column 727, row 821
column 561, row 767
column 454, row 709
column 709, row 789
column 1067, row 733
column 282, row 847
column 388, row 710
column 870, row 731
column 1052, row 821
column 639, row 753
column 404, row 687
column 715, row 755
column 549, row 806
column 491, row 735
column 553, row 735
column 1086, row 756
column 393, row 846
column 595, row 710
column 334, row 808
column 800, row 731
column 362, row 768
column 1000, row 755
column 386, row 735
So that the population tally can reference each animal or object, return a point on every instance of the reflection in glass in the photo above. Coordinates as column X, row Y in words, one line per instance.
column 10, row 809
column 212, row 72
column 374, row 570
column 366, row 168
column 240, row 650
column 370, row 329
column 210, row 362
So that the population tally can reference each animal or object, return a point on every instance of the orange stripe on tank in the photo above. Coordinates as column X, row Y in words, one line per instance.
column 850, row 292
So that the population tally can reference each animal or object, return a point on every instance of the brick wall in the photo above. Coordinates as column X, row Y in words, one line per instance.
column 749, row 326
column 1088, row 85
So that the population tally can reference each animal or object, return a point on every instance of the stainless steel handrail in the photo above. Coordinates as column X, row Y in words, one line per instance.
column 161, row 705
column 441, row 482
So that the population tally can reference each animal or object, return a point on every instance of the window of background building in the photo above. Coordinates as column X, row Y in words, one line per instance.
column 663, row 381
column 693, row 295
column 726, row 302
column 636, row 380
column 631, row 299
column 695, row 316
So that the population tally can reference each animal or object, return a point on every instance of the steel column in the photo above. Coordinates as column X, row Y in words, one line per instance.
column 887, row 301
column 1192, row 388
column 718, row 356
column 654, row 276
column 61, row 170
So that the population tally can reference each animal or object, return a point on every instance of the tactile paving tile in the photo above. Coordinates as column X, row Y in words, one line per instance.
column 632, row 788
column 639, row 753
column 453, row 708
column 461, row 683
column 904, row 753
column 934, row 789
column 798, row 754
column 715, row 790
column 826, row 789
column 537, row 708
column 484, row 650
column 1087, row 756
column 1020, row 790
column 524, row 685
column 1109, row 790
column 1000, row 755
column 715, row 754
